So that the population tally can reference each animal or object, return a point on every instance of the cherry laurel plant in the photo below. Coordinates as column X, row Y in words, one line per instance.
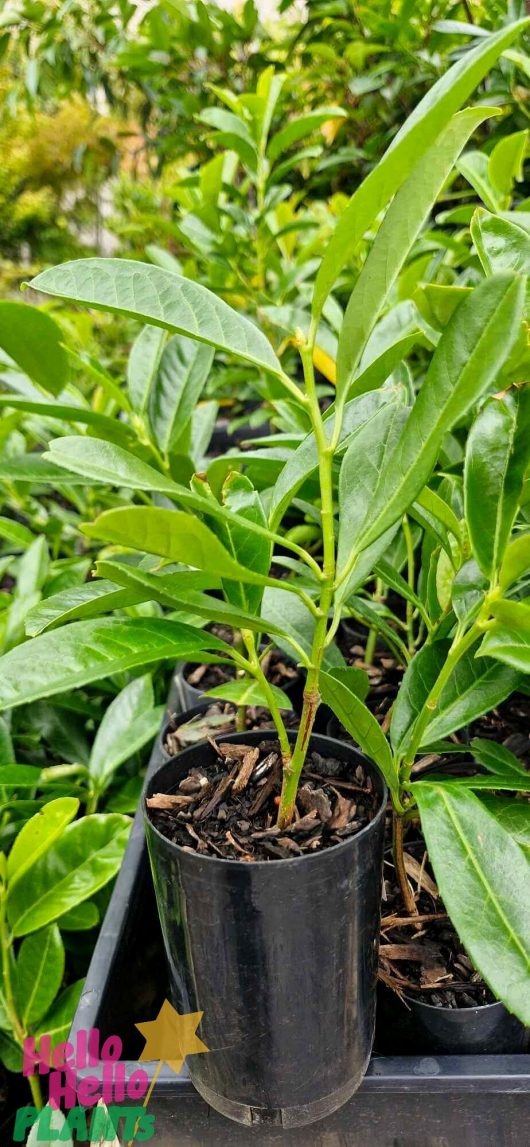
column 372, row 454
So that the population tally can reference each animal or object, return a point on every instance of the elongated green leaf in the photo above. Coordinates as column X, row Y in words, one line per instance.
column 105, row 462
column 512, row 815
column 83, row 860
column 297, row 129
column 131, row 720
column 143, row 365
column 375, row 373
column 248, row 692
column 58, row 1021
column 86, row 915
column 247, row 549
column 33, row 340
column 171, row 534
column 390, row 576
column 474, row 167
column 476, row 685
column 83, row 601
column 88, row 651
column 38, row 835
column 501, row 245
column 36, row 468
column 497, row 455
column 436, row 507
column 415, row 137
column 415, row 687
column 296, row 622
column 505, row 165
column 361, row 725
column 39, row 973
column 20, row 776
column 468, row 591
column 108, row 427
column 395, row 238
column 162, row 299
column 16, row 533
column 483, row 876
column 508, row 638
column 498, row 759
column 359, row 475
column 182, row 373
column 516, row 561
column 174, row 590
column 464, row 366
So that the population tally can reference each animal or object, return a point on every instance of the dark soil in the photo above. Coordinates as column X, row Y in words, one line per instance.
column 217, row 720
column 278, row 669
column 228, row 807
column 508, row 724
column 425, row 960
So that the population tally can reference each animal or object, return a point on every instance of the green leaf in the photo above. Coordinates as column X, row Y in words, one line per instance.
column 84, row 916
column 180, row 379
column 516, row 561
column 298, row 128
column 252, row 551
column 497, row 455
column 33, row 340
column 512, row 815
column 89, row 600
column 356, row 680
column 16, row 533
column 468, row 591
column 105, row 462
column 294, row 621
column 475, row 687
column 7, row 752
column 129, row 722
column 396, row 236
column 505, row 165
column 82, row 860
column 419, row 678
column 142, row 366
column 417, row 134
column 11, row 1054
column 38, row 835
column 435, row 506
column 58, row 1021
column 39, row 973
column 395, row 581
column 109, row 428
column 498, row 759
column 483, row 876
column 161, row 298
column 501, row 245
column 248, row 692
column 359, row 476
column 465, row 364
column 474, row 167
column 171, row 534
column 36, row 468
column 508, row 638
column 361, row 725
column 174, row 590
column 19, row 776
column 88, row 651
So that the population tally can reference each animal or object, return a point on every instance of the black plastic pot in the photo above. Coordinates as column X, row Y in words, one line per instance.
column 413, row 1027
column 281, row 956
column 189, row 695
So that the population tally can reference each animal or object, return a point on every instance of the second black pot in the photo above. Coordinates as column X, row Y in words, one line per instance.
column 411, row 1027
column 280, row 955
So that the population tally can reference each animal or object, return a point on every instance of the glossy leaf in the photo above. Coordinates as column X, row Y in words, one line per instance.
column 86, row 915
column 513, row 815
column 299, row 128
column 497, row 455
column 417, row 134
column 105, row 462
column 296, row 622
column 58, row 1020
column 248, row 692
column 88, row 651
column 516, row 561
column 396, row 236
column 361, row 725
column 180, row 378
column 82, row 860
column 419, row 678
column 248, row 549
column 89, row 600
column 501, row 245
column 475, row 687
column 109, row 428
column 498, row 759
column 38, row 835
column 464, row 366
column 142, row 365
column 39, row 973
column 130, row 721
column 33, row 340
column 162, row 299
column 171, row 534
column 508, row 637
column 483, row 877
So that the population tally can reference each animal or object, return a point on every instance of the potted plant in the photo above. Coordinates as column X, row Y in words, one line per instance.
column 277, row 922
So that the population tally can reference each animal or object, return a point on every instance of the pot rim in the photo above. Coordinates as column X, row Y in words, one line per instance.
column 266, row 864
column 458, row 1011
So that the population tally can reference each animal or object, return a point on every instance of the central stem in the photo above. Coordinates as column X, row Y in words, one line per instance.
column 292, row 771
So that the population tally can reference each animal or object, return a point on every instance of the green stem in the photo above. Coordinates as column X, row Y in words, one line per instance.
column 291, row 774
column 18, row 1029
column 254, row 666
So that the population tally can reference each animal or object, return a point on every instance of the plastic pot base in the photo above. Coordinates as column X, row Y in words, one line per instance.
column 285, row 1117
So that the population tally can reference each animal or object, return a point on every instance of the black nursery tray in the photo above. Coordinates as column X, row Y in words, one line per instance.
column 414, row 1101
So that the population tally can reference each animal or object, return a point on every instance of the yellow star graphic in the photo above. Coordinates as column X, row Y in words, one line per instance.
column 171, row 1037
